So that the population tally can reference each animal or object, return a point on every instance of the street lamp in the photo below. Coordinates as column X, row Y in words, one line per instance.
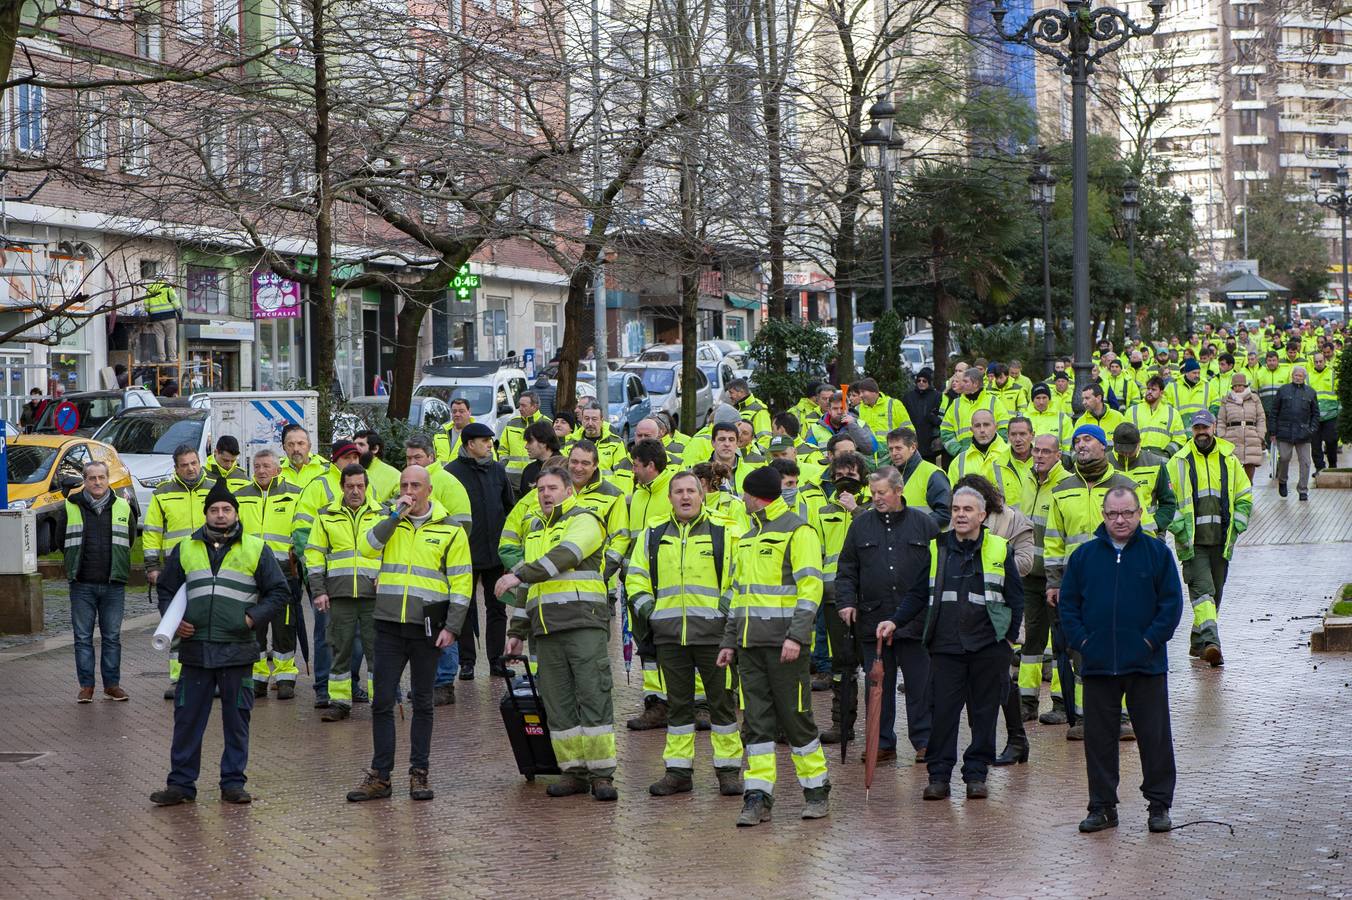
column 1042, row 193
column 883, row 154
column 1339, row 202
column 1131, row 212
column 1069, row 37
column 1187, row 217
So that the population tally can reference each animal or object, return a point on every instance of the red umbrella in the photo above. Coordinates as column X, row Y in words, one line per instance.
column 875, row 714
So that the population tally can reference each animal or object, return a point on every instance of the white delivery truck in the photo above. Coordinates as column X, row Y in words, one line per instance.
column 257, row 418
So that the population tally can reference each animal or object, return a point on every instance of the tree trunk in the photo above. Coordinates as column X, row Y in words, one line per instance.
column 11, row 12
column 689, row 281
column 846, row 266
column 321, row 293
column 575, row 328
column 944, row 307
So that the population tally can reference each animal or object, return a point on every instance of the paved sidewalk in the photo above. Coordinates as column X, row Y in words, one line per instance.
column 1262, row 745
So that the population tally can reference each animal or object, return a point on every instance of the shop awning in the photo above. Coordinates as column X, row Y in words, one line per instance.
column 737, row 302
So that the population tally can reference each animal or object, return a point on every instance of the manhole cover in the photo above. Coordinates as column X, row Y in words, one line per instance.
column 9, row 756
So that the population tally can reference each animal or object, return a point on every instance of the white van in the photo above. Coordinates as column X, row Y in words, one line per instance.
column 490, row 388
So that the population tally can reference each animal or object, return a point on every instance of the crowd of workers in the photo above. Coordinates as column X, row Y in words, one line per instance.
column 976, row 537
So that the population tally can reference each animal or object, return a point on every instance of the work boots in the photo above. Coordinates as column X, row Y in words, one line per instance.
column 730, row 784
column 836, row 732
column 260, row 689
column 336, row 712
column 443, row 695
column 755, row 810
column 816, row 803
column 603, row 789
column 1028, row 707
column 703, row 719
column 1212, row 654
column 372, row 787
column 654, row 715
column 671, row 783
column 418, row 789
column 567, row 786
column 821, row 682
column 286, row 690
column 1056, row 715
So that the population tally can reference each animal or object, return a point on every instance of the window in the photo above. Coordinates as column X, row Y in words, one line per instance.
column 1248, row 121
column 1248, row 84
column 146, row 25
column 91, row 144
column 526, row 11
column 28, row 118
column 135, row 138
column 192, row 19
column 1244, row 16
column 213, row 148
column 250, row 155
column 506, row 108
column 227, row 23
column 741, row 106
column 208, row 291
column 299, row 176
column 546, row 331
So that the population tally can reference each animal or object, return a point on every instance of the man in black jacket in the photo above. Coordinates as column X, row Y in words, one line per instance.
column 887, row 547
column 1295, row 422
column 234, row 585
column 491, row 498
column 922, row 403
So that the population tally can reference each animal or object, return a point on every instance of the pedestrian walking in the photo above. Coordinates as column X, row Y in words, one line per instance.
column 973, row 603
column 1121, row 600
column 233, row 586
column 1242, row 421
column 422, row 596
column 94, row 528
column 1295, row 414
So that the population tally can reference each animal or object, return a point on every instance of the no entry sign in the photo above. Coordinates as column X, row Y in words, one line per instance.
column 67, row 417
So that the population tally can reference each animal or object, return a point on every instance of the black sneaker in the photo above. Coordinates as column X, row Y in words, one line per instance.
column 466, row 673
column 1159, row 822
column 171, row 796
column 1281, row 488
column 235, row 795
column 1098, row 820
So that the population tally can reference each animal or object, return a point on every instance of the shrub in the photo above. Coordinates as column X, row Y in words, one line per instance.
column 789, row 357
column 883, row 361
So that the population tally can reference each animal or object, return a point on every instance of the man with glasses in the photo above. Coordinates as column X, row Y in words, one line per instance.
column 1121, row 638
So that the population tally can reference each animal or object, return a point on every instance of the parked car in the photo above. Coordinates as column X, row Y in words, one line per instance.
column 45, row 468
column 1333, row 314
column 145, row 440
column 628, row 401
column 426, row 414
column 924, row 342
column 718, row 367
column 662, row 381
column 490, row 388
column 93, row 408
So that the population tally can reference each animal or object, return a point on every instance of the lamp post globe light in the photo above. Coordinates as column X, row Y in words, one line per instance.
column 1131, row 214
column 1042, row 194
column 1076, row 38
column 883, row 154
column 1339, row 201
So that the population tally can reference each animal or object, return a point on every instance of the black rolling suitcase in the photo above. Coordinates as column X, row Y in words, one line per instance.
column 523, row 715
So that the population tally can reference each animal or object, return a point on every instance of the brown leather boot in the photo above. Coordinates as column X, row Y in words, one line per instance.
column 418, row 788
column 567, row 786
column 654, row 716
column 372, row 787
column 730, row 784
column 671, row 783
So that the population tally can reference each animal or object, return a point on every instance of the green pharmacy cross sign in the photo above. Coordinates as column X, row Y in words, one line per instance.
column 464, row 284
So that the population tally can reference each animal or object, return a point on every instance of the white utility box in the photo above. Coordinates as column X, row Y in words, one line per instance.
column 18, row 542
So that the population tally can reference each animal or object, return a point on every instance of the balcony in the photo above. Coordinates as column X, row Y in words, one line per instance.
column 1249, row 140
column 1315, row 158
column 1314, row 123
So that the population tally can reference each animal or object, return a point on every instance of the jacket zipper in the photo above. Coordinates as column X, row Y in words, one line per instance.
column 685, row 530
column 1117, row 583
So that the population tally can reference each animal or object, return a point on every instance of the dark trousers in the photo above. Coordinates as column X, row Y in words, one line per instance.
column 1148, row 702
column 398, row 646
column 1326, row 445
column 1068, row 689
column 914, row 662
column 495, row 616
column 192, row 709
column 979, row 681
column 1013, row 705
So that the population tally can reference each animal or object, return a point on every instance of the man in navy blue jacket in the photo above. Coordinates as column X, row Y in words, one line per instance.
column 1121, row 600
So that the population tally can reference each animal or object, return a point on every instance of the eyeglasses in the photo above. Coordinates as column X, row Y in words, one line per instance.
column 1114, row 514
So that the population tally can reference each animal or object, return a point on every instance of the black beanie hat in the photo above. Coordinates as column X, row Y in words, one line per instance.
column 220, row 493
column 763, row 483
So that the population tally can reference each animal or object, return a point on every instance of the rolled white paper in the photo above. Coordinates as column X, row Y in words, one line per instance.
column 173, row 616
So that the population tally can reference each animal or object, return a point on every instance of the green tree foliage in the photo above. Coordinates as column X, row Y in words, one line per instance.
column 1345, row 396
column 1284, row 238
column 789, row 357
column 883, row 361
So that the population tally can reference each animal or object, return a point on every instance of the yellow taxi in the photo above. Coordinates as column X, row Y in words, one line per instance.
column 44, row 468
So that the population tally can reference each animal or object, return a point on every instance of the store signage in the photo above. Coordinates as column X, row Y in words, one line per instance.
column 274, row 297
column 222, row 330
column 464, row 284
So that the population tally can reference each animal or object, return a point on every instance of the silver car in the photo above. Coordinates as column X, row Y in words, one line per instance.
column 662, row 380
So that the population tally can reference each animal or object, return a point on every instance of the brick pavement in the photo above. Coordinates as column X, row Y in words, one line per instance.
column 1261, row 744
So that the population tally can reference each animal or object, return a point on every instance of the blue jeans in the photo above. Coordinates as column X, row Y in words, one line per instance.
column 103, row 602
column 821, row 644
column 448, row 665
column 323, row 654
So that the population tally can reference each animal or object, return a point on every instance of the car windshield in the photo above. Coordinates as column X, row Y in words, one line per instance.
column 152, row 434
column 659, row 355
column 912, row 354
column 615, row 385
column 479, row 396
column 658, row 381
column 93, row 411
column 29, row 464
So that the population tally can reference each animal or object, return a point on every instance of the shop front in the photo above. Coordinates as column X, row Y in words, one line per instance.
column 281, row 345
column 219, row 356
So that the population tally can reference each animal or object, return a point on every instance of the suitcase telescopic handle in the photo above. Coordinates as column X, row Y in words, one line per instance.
column 530, row 676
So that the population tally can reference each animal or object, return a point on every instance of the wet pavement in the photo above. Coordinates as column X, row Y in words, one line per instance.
column 1262, row 746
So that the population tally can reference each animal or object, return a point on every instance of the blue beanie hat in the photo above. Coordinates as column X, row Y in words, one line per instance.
column 1190, row 365
column 1093, row 431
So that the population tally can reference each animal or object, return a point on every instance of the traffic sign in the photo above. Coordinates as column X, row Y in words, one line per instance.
column 67, row 417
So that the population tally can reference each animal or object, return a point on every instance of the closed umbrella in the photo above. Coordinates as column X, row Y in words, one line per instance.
column 875, row 714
